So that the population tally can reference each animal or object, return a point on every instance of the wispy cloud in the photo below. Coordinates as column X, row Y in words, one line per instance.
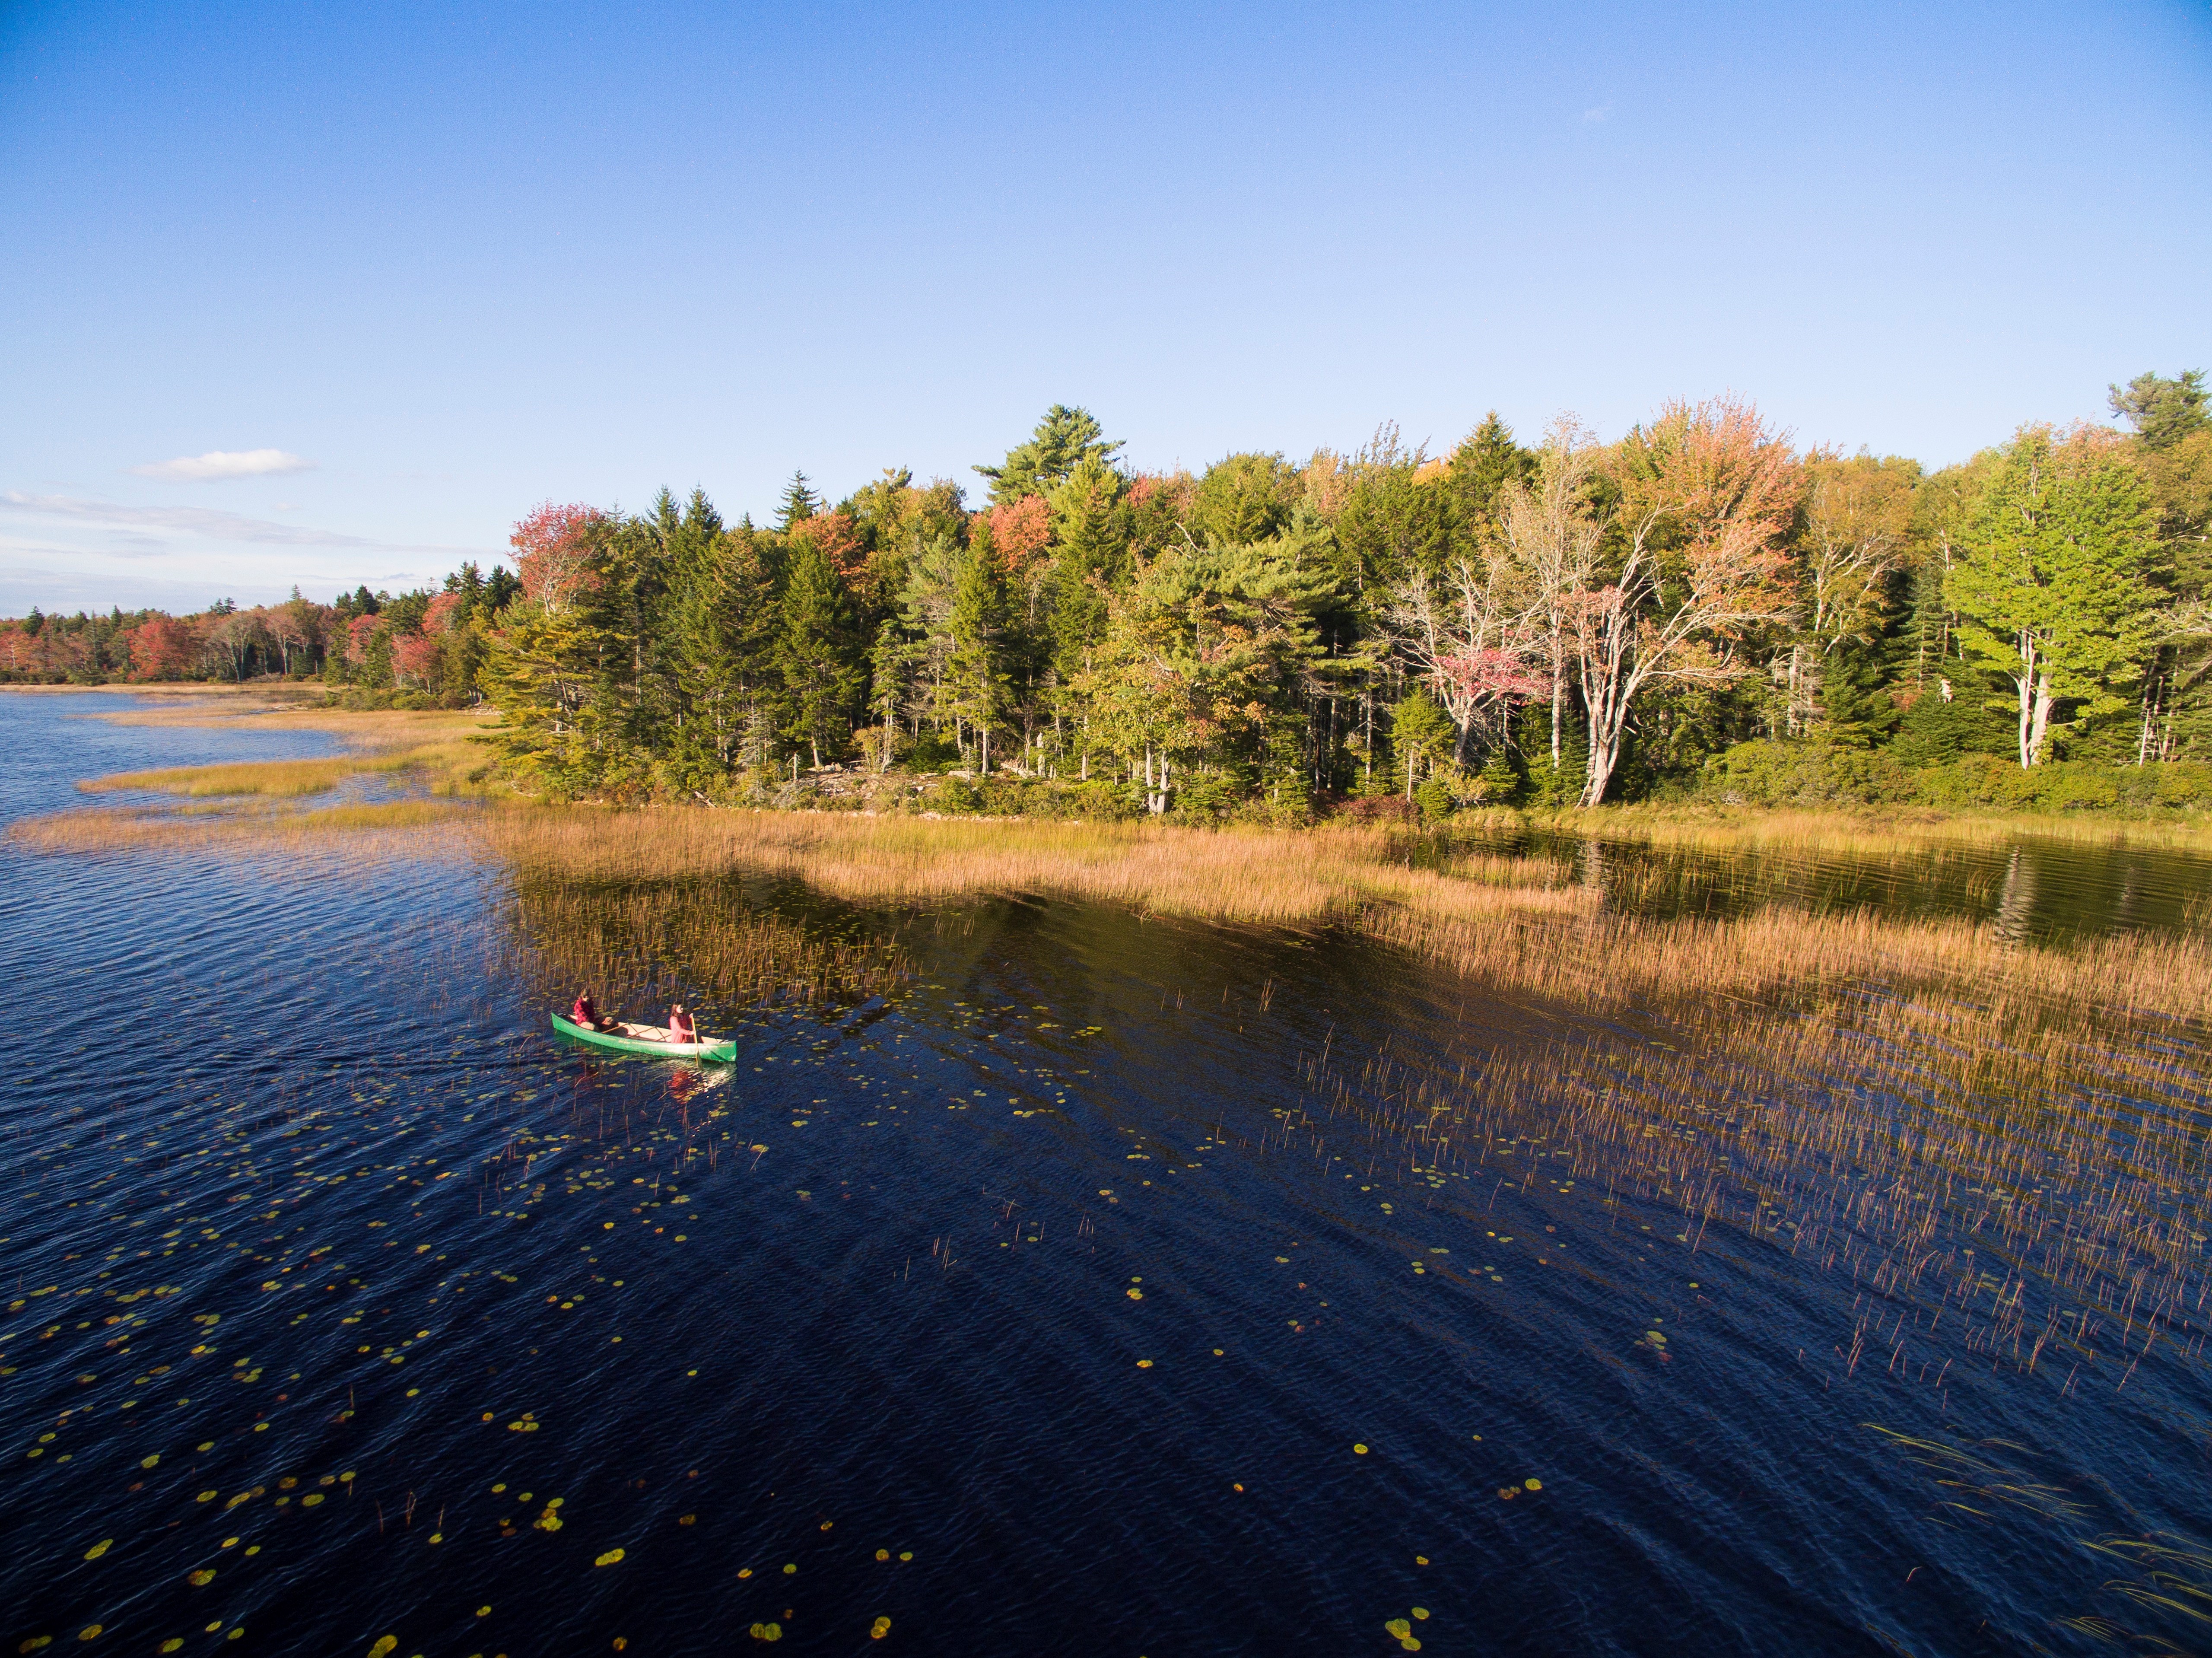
column 198, row 521
column 1597, row 114
column 218, row 464
column 9, row 544
column 208, row 522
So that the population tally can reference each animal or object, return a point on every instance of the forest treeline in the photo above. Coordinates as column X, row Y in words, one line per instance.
column 1698, row 605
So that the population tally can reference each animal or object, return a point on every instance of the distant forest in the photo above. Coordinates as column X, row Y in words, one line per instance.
column 1698, row 608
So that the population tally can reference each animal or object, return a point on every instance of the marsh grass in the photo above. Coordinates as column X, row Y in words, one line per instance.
column 2017, row 1204
column 1516, row 925
column 441, row 748
column 1248, row 877
column 279, row 779
column 1784, row 956
column 371, row 830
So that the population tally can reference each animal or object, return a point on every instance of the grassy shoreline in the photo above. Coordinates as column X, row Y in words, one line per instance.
column 1505, row 907
column 1517, row 923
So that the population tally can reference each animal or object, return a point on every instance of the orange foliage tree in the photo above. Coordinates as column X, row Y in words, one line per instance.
column 838, row 541
column 1020, row 531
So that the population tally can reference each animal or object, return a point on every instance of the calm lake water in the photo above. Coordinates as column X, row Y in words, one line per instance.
column 346, row 1303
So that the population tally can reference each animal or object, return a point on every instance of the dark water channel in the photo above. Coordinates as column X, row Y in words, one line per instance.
column 1004, row 1310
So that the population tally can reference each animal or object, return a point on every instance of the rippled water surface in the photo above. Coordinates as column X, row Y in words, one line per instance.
column 1039, row 1307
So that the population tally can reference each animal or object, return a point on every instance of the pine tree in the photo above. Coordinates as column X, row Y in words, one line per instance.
column 1060, row 443
column 2164, row 411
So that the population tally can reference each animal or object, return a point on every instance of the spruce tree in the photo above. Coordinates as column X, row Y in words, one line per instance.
column 815, row 650
column 1486, row 464
column 975, row 677
column 799, row 503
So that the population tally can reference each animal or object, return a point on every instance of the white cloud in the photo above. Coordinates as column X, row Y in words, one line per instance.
column 217, row 464
column 1598, row 114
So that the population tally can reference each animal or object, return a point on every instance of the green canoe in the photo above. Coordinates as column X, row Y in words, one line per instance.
column 723, row 1052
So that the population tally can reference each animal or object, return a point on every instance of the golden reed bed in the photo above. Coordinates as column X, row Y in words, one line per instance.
column 1513, row 924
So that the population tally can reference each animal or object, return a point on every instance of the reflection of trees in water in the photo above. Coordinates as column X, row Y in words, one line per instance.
column 2028, row 887
column 2016, row 898
column 1591, row 864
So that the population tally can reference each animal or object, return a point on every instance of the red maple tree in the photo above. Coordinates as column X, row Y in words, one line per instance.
column 553, row 551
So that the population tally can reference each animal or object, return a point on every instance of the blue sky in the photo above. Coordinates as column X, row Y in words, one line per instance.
column 442, row 263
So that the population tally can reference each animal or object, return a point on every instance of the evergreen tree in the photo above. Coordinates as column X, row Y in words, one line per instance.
column 975, row 671
column 1421, row 734
column 626, row 609
column 890, row 669
column 724, row 627
column 799, row 503
column 1395, row 523
column 1060, row 443
column 2163, row 411
column 1486, row 463
column 1244, row 498
column 816, row 652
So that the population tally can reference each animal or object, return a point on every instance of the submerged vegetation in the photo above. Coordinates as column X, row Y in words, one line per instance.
column 649, row 944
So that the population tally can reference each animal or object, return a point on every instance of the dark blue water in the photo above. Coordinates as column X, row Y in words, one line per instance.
column 335, row 1276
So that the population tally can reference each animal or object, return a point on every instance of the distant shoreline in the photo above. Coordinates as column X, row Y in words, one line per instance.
column 152, row 688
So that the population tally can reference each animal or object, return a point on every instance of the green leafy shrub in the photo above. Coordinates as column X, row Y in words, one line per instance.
column 1986, row 781
column 1101, row 801
column 1762, row 773
column 954, row 797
